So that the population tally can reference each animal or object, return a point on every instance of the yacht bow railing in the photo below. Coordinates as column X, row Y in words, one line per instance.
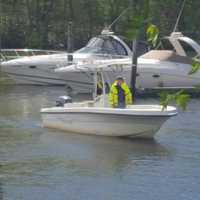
column 8, row 54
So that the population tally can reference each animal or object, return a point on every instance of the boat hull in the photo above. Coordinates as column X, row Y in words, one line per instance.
column 24, row 76
column 104, row 124
column 165, row 75
column 152, row 74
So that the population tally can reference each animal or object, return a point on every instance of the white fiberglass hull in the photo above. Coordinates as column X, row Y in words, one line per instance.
column 151, row 74
column 74, row 82
column 139, row 121
column 28, row 76
column 40, row 71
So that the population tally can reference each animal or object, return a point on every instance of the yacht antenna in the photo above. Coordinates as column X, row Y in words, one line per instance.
column 179, row 16
column 115, row 20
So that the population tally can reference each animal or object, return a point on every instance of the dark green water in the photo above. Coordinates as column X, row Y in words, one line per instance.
column 38, row 164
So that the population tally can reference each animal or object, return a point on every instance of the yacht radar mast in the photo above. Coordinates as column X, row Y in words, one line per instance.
column 108, row 29
column 179, row 16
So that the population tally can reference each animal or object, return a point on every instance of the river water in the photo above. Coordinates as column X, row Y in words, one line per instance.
column 38, row 163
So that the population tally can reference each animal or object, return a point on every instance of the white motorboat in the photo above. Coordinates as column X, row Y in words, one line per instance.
column 86, row 118
column 157, row 69
column 97, row 118
column 39, row 69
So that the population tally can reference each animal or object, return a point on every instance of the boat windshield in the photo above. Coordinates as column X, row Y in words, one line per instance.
column 104, row 45
column 165, row 45
column 189, row 46
column 189, row 50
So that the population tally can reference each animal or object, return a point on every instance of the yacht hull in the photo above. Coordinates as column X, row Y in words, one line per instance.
column 119, row 123
column 33, row 76
column 157, row 69
column 150, row 76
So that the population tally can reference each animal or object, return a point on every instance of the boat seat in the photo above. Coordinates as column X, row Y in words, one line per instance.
column 80, row 104
column 98, row 101
column 167, row 55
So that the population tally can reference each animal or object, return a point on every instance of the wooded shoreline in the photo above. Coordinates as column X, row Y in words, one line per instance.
column 44, row 23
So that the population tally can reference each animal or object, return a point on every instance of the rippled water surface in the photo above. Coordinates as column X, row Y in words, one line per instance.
column 38, row 164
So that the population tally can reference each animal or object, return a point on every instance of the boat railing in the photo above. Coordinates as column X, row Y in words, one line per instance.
column 89, row 60
column 8, row 54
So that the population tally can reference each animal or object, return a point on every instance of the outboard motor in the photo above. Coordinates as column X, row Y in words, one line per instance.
column 63, row 100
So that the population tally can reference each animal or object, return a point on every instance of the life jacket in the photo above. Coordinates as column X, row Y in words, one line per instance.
column 113, row 95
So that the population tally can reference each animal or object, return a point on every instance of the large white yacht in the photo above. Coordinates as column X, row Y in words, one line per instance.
column 40, row 69
column 157, row 69
column 167, row 68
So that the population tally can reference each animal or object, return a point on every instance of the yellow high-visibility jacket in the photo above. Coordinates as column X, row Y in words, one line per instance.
column 113, row 95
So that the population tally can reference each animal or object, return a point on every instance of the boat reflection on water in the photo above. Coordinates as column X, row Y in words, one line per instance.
column 97, row 154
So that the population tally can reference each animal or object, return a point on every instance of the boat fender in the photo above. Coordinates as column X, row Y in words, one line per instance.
column 62, row 100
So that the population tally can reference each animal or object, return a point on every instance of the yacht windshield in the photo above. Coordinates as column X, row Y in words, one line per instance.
column 189, row 50
column 166, row 45
column 104, row 45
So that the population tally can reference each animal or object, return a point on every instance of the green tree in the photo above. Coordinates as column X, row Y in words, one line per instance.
column 43, row 23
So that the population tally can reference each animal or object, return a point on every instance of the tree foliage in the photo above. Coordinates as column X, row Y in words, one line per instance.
column 43, row 23
column 195, row 66
column 181, row 98
column 152, row 34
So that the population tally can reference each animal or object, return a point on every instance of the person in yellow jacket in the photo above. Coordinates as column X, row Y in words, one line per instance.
column 120, row 95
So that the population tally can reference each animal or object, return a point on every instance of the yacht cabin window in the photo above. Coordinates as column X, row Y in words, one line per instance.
column 104, row 45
